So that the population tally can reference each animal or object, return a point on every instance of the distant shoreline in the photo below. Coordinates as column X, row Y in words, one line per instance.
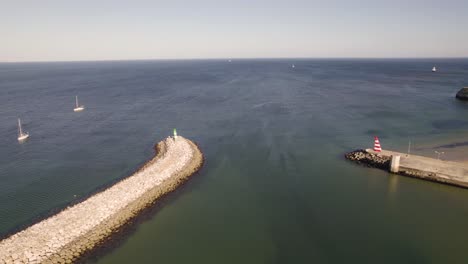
column 239, row 59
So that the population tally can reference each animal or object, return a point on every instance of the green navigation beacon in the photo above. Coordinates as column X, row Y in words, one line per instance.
column 175, row 133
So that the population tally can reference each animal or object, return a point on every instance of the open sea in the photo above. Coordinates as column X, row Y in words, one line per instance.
column 275, row 187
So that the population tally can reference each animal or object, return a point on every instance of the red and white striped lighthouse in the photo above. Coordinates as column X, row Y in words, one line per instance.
column 377, row 147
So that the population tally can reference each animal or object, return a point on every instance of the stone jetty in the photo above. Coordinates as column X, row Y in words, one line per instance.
column 463, row 94
column 66, row 236
column 368, row 159
column 448, row 172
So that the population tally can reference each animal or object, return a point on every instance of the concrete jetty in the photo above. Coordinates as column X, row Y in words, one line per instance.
column 66, row 236
column 448, row 172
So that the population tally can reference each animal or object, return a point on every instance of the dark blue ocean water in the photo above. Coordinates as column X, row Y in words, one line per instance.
column 275, row 188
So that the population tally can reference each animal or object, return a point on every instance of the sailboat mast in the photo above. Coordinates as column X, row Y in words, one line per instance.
column 76, row 100
column 19, row 127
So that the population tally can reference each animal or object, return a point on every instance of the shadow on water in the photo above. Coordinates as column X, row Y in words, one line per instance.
column 450, row 124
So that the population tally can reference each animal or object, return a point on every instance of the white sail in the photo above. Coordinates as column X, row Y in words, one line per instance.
column 20, row 131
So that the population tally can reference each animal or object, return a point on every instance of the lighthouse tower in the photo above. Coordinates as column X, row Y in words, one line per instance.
column 377, row 147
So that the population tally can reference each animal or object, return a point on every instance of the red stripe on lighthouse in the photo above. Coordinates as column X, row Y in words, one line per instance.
column 377, row 147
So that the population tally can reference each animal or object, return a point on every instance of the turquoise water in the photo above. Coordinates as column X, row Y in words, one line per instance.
column 275, row 187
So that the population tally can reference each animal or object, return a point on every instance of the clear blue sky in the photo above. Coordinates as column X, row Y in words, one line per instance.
column 50, row 30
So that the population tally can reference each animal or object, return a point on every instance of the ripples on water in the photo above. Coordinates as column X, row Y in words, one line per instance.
column 275, row 188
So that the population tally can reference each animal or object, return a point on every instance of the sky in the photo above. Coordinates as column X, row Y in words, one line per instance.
column 50, row 30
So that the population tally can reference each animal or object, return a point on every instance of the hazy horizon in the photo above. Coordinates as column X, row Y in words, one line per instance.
column 53, row 30
column 252, row 58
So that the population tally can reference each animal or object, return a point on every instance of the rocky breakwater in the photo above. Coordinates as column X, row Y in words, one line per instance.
column 365, row 158
column 463, row 94
column 66, row 236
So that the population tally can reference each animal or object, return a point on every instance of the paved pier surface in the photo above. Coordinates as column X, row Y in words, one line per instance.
column 450, row 172
column 64, row 237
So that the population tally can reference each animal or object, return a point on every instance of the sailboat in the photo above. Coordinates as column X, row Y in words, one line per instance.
column 78, row 107
column 21, row 135
column 434, row 69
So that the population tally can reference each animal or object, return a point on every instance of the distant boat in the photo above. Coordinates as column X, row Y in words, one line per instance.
column 21, row 135
column 434, row 69
column 78, row 107
column 293, row 66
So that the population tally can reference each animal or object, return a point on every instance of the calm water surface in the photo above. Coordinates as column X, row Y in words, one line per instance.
column 275, row 188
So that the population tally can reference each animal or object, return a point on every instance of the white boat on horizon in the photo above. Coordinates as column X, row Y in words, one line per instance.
column 434, row 69
column 78, row 107
column 21, row 135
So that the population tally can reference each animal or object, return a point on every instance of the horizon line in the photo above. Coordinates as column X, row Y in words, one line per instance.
column 240, row 58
